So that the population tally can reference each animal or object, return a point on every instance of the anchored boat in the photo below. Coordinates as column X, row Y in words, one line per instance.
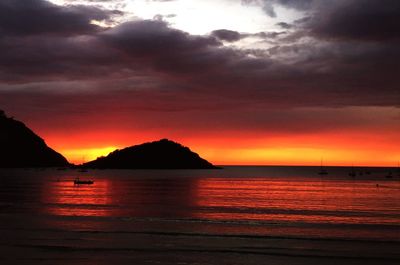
column 77, row 181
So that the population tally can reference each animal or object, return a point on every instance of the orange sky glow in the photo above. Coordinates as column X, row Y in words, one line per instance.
column 367, row 149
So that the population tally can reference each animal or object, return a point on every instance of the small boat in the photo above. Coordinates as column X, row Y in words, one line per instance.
column 322, row 171
column 83, row 170
column 398, row 169
column 389, row 175
column 77, row 181
column 352, row 173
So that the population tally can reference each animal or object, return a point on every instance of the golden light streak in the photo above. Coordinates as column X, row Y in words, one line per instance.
column 78, row 156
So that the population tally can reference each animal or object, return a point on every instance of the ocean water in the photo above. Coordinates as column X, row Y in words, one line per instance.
column 237, row 215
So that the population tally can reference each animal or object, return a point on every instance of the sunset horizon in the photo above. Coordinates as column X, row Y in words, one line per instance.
column 253, row 155
column 284, row 84
column 279, row 150
column 200, row 132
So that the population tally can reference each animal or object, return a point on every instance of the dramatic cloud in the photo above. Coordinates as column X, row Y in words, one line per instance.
column 41, row 17
column 145, row 37
column 292, row 74
column 226, row 35
column 284, row 25
column 48, row 58
column 344, row 19
column 371, row 20
column 321, row 67
column 338, row 56
column 268, row 6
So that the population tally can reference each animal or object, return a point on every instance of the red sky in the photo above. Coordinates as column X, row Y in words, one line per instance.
column 355, row 136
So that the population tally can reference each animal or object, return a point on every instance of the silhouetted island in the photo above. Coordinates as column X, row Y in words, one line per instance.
column 21, row 147
column 163, row 154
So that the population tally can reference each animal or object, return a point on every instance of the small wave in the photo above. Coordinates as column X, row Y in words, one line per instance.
column 240, row 251
column 188, row 234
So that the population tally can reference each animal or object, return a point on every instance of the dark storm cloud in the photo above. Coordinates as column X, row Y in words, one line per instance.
column 140, row 45
column 345, row 19
column 156, row 37
column 38, row 58
column 190, row 67
column 42, row 17
column 371, row 20
column 233, row 36
column 353, row 51
column 226, row 35
column 153, row 44
column 284, row 25
column 175, row 111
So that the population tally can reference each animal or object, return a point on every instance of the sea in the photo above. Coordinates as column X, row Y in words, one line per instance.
column 235, row 215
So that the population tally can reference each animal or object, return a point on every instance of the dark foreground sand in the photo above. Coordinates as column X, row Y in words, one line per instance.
column 155, row 242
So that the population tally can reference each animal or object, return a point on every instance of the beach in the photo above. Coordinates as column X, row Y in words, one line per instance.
column 237, row 215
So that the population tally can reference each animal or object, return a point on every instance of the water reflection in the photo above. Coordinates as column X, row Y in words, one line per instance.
column 250, row 199
column 113, row 197
column 217, row 217
column 65, row 198
column 296, row 201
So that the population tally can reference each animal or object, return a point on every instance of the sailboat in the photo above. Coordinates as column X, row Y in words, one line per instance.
column 352, row 173
column 82, row 169
column 398, row 169
column 322, row 170
column 390, row 175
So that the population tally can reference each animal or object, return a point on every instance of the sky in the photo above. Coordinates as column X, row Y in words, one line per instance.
column 255, row 82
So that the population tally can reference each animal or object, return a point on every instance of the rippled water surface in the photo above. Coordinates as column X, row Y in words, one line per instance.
column 238, row 215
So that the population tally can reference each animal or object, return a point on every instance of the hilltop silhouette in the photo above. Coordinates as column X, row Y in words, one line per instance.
column 163, row 154
column 21, row 147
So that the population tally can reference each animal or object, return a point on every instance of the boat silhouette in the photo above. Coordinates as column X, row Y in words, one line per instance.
column 77, row 181
column 398, row 169
column 352, row 173
column 322, row 170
